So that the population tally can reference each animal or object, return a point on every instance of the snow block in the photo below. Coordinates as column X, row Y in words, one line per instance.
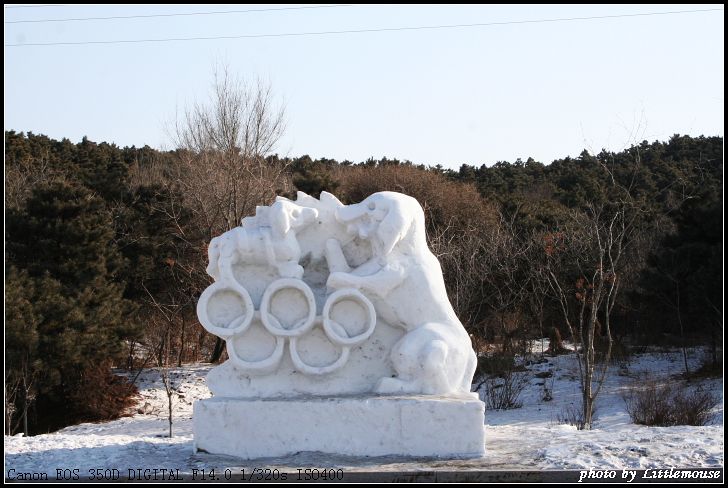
column 447, row 426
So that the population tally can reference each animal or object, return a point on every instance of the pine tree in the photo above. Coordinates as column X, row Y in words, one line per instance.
column 63, row 240
column 22, row 366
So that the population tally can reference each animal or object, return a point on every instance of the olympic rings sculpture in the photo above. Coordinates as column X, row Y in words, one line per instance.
column 226, row 310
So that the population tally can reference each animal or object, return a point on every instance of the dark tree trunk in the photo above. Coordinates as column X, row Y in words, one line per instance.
column 181, row 343
column 217, row 352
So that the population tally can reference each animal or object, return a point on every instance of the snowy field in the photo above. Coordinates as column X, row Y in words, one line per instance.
column 527, row 438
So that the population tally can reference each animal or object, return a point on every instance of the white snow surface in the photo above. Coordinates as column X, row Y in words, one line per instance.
column 526, row 438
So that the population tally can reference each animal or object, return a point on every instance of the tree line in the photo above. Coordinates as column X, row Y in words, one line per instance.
column 106, row 249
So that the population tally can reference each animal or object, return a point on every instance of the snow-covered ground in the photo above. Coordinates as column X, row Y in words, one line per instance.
column 528, row 438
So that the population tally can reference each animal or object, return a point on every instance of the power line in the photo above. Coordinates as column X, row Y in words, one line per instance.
column 35, row 6
column 217, row 12
column 358, row 31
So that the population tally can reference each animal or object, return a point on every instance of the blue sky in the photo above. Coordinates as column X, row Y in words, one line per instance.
column 469, row 95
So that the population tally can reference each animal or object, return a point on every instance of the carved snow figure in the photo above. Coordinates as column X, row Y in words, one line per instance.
column 336, row 316
column 272, row 241
column 404, row 280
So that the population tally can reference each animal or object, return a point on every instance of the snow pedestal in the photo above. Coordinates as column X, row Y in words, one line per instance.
column 437, row 426
column 340, row 336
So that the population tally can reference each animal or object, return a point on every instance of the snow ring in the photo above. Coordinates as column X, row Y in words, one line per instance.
column 359, row 313
column 292, row 287
column 266, row 365
column 316, row 370
column 225, row 309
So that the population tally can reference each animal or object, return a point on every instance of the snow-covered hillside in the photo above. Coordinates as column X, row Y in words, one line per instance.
column 525, row 438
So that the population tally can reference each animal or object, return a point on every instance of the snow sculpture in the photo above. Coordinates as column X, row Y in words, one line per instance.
column 405, row 280
column 337, row 315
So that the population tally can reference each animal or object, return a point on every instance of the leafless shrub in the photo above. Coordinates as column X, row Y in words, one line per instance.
column 503, row 393
column 694, row 408
column 548, row 389
column 710, row 367
column 668, row 405
column 572, row 414
column 503, row 381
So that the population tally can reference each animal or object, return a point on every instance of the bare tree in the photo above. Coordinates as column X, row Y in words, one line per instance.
column 224, row 146
column 538, row 286
column 588, row 260
column 672, row 300
column 26, row 174
column 166, row 379
column 21, row 385
column 509, row 282
column 460, row 254
column 12, row 387
column 163, row 322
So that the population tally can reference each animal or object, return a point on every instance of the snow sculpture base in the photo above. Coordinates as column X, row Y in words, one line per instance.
column 448, row 426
